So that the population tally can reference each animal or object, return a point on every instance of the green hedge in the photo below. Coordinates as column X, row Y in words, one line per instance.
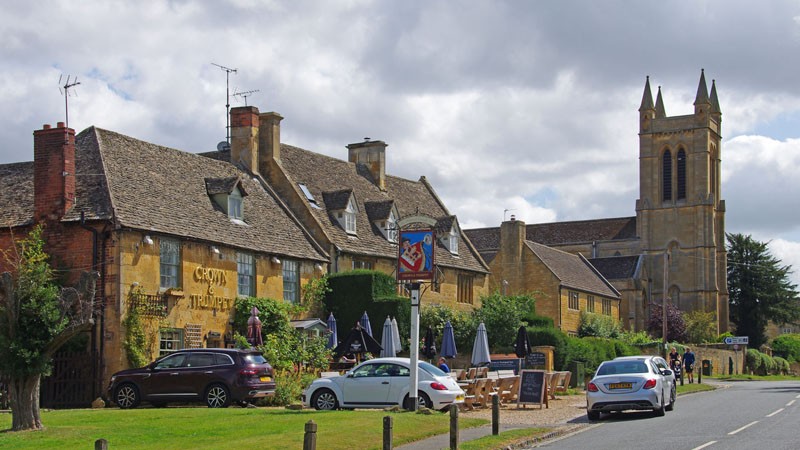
column 787, row 346
column 351, row 293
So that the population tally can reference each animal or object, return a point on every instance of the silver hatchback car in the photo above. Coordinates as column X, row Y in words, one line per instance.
column 631, row 383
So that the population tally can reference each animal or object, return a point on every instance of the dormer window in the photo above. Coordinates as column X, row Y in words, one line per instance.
column 227, row 195
column 350, row 216
column 235, row 205
column 391, row 227
column 452, row 241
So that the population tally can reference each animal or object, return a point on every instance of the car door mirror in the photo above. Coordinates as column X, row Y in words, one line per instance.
column 666, row 372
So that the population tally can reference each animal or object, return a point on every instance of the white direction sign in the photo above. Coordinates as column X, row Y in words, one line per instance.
column 736, row 340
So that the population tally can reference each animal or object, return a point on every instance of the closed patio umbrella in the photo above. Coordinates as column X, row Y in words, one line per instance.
column 429, row 348
column 398, row 344
column 333, row 339
column 522, row 346
column 448, row 349
column 480, row 350
column 387, row 340
column 365, row 324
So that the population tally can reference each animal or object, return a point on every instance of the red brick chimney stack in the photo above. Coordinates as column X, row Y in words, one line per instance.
column 53, row 171
column 244, row 137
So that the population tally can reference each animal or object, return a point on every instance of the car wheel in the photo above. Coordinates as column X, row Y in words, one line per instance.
column 593, row 415
column 672, row 397
column 660, row 411
column 218, row 396
column 324, row 400
column 127, row 396
column 424, row 401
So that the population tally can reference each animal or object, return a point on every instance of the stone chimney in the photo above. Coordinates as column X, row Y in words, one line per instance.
column 53, row 171
column 512, row 238
column 245, row 137
column 269, row 139
column 373, row 155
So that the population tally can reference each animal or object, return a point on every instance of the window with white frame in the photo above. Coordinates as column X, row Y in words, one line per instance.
column 169, row 340
column 350, row 216
column 453, row 241
column 574, row 300
column 246, row 270
column 235, row 205
column 170, row 257
column 291, row 281
column 391, row 227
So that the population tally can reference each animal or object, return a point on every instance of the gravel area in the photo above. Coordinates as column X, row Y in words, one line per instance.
column 568, row 409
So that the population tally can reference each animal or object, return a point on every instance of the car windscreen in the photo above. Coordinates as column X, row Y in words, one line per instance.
column 622, row 367
column 431, row 369
column 254, row 358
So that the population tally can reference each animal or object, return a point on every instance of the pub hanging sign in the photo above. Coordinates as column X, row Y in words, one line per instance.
column 415, row 257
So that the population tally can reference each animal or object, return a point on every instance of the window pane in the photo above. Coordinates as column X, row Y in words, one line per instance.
column 681, row 175
column 170, row 262
column 666, row 176
column 169, row 340
column 291, row 281
column 246, row 272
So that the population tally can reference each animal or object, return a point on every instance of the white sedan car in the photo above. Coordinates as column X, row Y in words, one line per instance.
column 383, row 382
column 632, row 382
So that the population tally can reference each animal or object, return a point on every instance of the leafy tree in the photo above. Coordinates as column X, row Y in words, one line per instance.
column 676, row 327
column 759, row 289
column 598, row 325
column 787, row 346
column 36, row 319
column 464, row 325
column 502, row 315
column 701, row 326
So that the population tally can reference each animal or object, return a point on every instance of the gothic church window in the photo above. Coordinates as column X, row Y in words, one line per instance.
column 681, row 175
column 666, row 176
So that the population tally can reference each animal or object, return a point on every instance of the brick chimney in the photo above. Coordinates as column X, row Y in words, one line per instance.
column 53, row 171
column 373, row 155
column 244, row 137
column 512, row 237
column 269, row 139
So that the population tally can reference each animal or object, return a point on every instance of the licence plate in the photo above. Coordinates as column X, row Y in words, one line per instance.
column 620, row 385
column 266, row 379
column 459, row 398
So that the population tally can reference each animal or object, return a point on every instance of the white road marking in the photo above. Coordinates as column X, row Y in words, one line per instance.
column 776, row 412
column 790, row 403
column 705, row 445
column 746, row 426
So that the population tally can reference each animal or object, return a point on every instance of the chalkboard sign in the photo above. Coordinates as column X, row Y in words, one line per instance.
column 505, row 364
column 532, row 388
column 535, row 359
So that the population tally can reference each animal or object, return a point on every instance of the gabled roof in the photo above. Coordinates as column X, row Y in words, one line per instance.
column 147, row 187
column 337, row 200
column 574, row 271
column 16, row 201
column 617, row 267
column 323, row 176
column 560, row 233
column 224, row 185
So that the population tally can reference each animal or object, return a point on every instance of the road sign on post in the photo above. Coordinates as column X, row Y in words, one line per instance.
column 737, row 340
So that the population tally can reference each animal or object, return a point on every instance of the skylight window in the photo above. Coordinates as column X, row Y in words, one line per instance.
column 309, row 196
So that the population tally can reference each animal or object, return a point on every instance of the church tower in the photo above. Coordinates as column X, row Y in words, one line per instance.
column 680, row 212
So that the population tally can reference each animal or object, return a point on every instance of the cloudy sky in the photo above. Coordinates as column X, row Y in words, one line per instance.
column 508, row 107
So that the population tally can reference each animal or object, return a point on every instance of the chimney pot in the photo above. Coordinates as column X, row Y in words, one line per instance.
column 46, row 126
column 513, row 218
column 60, row 125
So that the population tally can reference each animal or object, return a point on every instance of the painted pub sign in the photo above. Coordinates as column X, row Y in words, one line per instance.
column 415, row 258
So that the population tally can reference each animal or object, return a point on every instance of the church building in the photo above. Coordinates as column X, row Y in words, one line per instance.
column 675, row 245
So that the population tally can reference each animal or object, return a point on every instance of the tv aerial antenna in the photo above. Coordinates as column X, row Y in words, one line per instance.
column 69, row 83
column 245, row 94
column 228, row 72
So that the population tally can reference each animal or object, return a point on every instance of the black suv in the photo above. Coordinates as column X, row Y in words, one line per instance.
column 216, row 376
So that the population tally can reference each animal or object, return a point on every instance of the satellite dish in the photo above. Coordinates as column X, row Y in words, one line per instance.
column 223, row 146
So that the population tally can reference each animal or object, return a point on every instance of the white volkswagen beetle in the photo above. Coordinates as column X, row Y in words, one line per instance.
column 383, row 382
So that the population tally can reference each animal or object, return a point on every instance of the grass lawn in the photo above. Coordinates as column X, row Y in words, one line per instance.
column 206, row 428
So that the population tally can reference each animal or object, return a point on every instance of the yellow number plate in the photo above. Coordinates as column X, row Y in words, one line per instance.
column 460, row 398
column 620, row 385
column 266, row 379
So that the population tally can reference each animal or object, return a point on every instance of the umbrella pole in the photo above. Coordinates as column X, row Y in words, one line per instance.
column 413, row 379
